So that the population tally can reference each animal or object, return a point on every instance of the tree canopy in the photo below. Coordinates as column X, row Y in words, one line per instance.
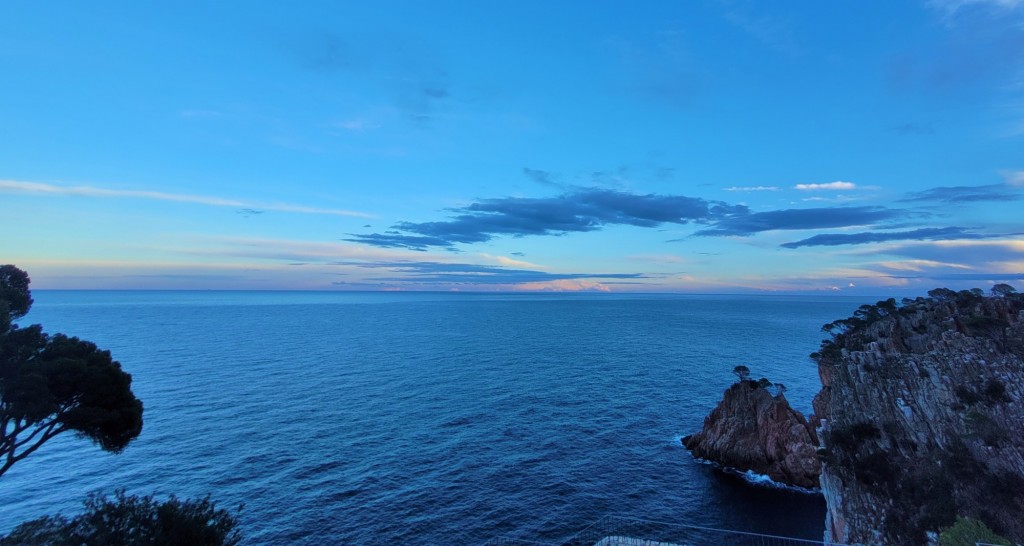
column 54, row 384
column 134, row 520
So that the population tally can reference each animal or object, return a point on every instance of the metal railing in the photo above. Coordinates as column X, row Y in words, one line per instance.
column 623, row 531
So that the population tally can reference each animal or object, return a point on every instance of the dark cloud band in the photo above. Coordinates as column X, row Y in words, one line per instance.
column 923, row 234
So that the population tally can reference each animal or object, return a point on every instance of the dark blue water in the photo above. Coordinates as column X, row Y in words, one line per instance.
column 428, row 418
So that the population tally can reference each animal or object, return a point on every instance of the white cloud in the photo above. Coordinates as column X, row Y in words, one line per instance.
column 16, row 186
column 920, row 265
column 1013, row 178
column 837, row 185
column 752, row 188
column 510, row 262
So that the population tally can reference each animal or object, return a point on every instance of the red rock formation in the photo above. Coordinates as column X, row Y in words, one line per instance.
column 752, row 430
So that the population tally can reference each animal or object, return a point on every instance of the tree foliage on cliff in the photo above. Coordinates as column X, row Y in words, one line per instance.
column 55, row 384
column 134, row 520
column 844, row 330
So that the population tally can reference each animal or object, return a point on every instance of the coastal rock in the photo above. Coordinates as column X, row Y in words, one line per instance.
column 751, row 429
column 921, row 413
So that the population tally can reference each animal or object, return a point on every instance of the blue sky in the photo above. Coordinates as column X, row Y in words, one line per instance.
column 718, row 146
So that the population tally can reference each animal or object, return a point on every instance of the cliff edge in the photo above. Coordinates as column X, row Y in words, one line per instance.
column 752, row 429
column 922, row 417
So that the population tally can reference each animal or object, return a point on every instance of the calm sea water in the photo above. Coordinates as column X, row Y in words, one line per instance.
column 429, row 418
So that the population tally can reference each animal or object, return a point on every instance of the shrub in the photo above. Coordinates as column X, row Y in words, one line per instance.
column 967, row 395
column 995, row 392
column 133, row 520
column 984, row 428
column 968, row 532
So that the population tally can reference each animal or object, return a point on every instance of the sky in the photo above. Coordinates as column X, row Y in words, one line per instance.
column 718, row 146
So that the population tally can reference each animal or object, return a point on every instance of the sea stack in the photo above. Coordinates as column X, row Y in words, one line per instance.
column 754, row 428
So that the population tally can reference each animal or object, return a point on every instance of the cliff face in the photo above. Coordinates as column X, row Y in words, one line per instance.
column 752, row 430
column 922, row 418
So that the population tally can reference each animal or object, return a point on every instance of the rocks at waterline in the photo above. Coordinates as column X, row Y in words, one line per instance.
column 752, row 429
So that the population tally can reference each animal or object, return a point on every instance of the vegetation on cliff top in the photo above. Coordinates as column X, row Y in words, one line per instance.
column 981, row 321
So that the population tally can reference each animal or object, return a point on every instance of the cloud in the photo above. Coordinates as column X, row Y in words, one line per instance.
column 541, row 177
column 394, row 239
column 919, row 265
column 795, row 219
column 834, row 239
column 837, row 185
column 971, row 251
column 1013, row 178
column 752, row 188
column 14, row 186
column 580, row 211
column 964, row 194
column 563, row 286
column 463, row 273
column 510, row 262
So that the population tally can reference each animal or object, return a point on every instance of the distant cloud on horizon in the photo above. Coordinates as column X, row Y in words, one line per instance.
column 39, row 188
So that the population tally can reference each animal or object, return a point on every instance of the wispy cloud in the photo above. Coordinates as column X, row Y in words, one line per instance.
column 963, row 194
column 563, row 285
column 835, row 239
column 541, row 177
column 837, row 185
column 797, row 219
column 1014, row 178
column 752, row 188
column 38, row 188
column 420, row 272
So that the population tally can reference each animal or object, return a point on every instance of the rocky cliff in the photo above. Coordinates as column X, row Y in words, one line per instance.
column 922, row 417
column 751, row 429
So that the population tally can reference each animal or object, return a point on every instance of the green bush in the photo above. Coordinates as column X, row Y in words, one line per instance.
column 968, row 532
column 132, row 520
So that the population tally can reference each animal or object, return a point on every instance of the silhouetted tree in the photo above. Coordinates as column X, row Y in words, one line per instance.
column 1003, row 289
column 15, row 299
column 742, row 372
column 942, row 293
column 55, row 384
column 133, row 520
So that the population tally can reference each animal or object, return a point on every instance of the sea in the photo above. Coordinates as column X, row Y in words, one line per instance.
column 429, row 418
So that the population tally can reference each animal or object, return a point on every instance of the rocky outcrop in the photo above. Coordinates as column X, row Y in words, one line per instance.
column 751, row 429
column 921, row 417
